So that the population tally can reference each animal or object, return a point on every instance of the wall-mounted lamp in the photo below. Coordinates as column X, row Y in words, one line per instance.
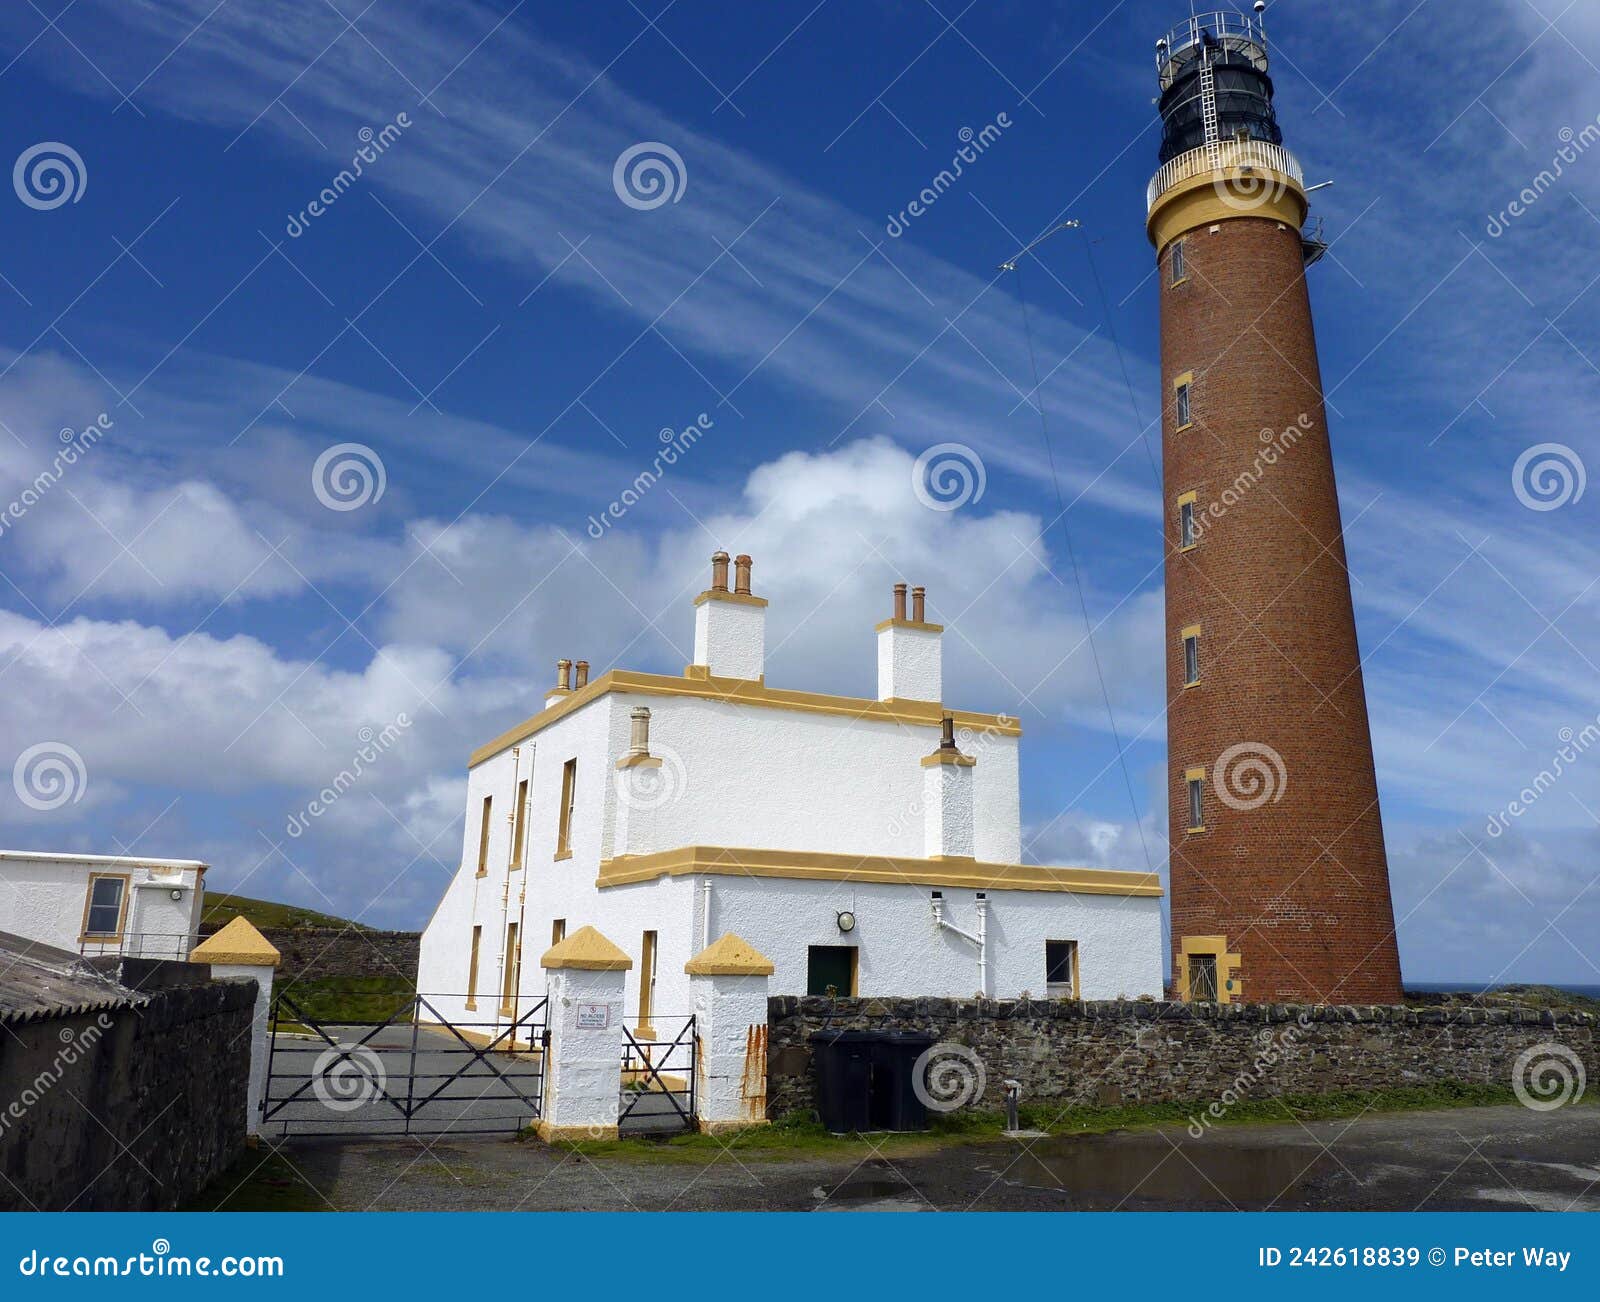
column 176, row 892
column 847, row 921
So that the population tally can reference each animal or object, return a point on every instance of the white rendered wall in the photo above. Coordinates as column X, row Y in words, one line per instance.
column 730, row 638
column 903, row 954
column 910, row 664
column 755, row 777
column 43, row 898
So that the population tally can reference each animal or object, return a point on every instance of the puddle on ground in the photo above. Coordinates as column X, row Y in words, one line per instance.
column 1149, row 1167
column 869, row 1196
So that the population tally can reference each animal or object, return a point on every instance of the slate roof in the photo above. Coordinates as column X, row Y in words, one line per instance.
column 38, row 981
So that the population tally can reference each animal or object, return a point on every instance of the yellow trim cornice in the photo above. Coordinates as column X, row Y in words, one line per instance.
column 639, row 762
column 708, row 860
column 746, row 691
column 914, row 625
column 947, row 757
column 736, row 598
column 1219, row 196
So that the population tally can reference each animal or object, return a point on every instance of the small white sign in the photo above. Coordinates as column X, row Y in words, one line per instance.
column 594, row 1017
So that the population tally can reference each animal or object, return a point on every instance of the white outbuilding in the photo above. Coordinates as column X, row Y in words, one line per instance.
column 101, row 903
column 866, row 847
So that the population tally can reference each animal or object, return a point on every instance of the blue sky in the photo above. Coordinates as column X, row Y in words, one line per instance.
column 483, row 312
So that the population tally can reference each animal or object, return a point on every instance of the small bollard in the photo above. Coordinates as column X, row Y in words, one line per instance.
column 1013, row 1094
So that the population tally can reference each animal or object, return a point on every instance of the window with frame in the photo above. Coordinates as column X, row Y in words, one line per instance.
column 520, row 831
column 558, row 931
column 569, row 796
column 1203, row 978
column 472, row 968
column 1191, row 658
column 1187, row 536
column 1197, row 804
column 1177, row 262
column 483, row 837
column 647, row 979
column 511, row 970
column 1181, row 403
column 102, row 914
column 1061, row 969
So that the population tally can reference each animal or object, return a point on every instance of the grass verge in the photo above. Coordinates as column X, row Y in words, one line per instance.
column 330, row 1000
column 260, row 1181
column 799, row 1135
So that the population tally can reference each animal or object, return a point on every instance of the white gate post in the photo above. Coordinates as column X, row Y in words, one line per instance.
column 583, row 1064
column 728, row 982
column 239, row 950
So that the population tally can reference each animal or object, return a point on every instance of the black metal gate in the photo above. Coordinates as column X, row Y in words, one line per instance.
column 658, row 1082
column 412, row 1072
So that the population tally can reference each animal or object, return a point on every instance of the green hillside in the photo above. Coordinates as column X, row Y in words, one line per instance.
column 222, row 908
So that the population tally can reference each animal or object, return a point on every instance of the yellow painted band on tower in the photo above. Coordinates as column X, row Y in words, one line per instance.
column 1223, row 194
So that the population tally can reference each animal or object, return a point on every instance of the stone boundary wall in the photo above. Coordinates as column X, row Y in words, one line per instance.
column 1114, row 1052
column 331, row 952
column 167, row 1079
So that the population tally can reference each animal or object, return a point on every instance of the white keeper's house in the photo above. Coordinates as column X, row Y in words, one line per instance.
column 866, row 847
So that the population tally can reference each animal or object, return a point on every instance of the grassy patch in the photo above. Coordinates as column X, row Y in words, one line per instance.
column 800, row 1135
column 1515, row 996
column 222, row 908
column 347, row 999
column 260, row 1181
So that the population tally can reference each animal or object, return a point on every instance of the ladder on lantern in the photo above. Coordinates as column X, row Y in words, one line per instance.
column 1208, row 109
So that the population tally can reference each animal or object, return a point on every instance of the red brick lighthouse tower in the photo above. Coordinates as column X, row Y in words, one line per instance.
column 1279, row 883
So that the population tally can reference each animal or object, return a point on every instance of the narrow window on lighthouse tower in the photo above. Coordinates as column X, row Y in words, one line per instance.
column 1181, row 402
column 1186, row 534
column 1176, row 261
column 1196, row 780
column 1191, row 656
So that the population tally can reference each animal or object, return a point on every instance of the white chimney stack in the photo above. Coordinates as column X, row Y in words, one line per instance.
column 730, row 628
column 910, row 661
column 947, row 779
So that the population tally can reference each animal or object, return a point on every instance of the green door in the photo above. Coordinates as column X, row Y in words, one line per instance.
column 831, row 965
